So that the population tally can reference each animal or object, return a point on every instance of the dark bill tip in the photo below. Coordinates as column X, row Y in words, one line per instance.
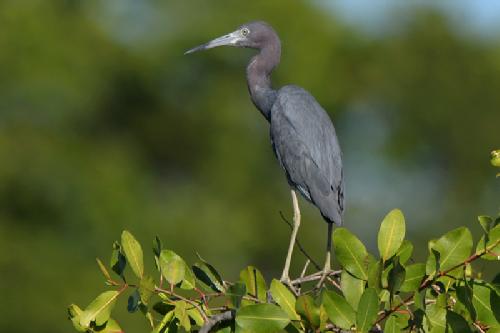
column 196, row 49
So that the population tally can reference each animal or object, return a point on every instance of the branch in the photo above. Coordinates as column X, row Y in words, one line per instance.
column 216, row 319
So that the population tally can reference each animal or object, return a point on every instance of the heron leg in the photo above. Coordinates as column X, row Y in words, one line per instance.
column 327, row 267
column 296, row 223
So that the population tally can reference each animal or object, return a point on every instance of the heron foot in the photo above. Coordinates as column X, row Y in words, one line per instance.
column 326, row 271
column 324, row 275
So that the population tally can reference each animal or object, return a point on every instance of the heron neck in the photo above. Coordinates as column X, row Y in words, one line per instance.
column 258, row 78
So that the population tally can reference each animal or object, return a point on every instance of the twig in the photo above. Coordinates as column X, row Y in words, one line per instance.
column 299, row 288
column 333, row 328
column 216, row 319
column 480, row 329
column 187, row 300
column 334, row 283
column 219, row 308
column 308, row 261
column 301, row 249
column 313, row 277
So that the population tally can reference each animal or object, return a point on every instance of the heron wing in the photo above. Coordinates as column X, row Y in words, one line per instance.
column 305, row 143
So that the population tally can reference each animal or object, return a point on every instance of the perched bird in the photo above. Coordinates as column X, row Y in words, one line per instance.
column 302, row 134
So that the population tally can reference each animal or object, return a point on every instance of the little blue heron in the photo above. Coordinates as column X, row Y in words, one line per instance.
column 302, row 135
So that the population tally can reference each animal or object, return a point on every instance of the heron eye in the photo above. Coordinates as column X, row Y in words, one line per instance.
column 245, row 31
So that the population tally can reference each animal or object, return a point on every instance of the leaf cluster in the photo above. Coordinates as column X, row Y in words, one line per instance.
column 390, row 292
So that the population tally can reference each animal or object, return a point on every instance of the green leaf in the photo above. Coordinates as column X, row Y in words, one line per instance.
column 111, row 326
column 405, row 251
column 391, row 325
column 396, row 276
column 308, row 310
column 74, row 313
column 436, row 319
column 133, row 301
column 205, row 273
column 431, row 244
column 236, row 292
column 495, row 283
column 464, row 295
column 195, row 314
column 375, row 275
column 486, row 223
column 118, row 261
column 350, row 252
column 419, row 299
column 495, row 304
column 323, row 319
column 495, row 158
column 172, row 266
column 338, row 310
column 367, row 310
column 433, row 264
column 103, row 269
column 163, row 308
column 133, row 252
column 157, row 246
column 457, row 323
column 181, row 314
column 189, row 281
column 284, row 298
column 262, row 318
column 168, row 324
column 403, row 319
column 100, row 309
column 352, row 288
column 254, row 283
column 492, row 245
column 414, row 275
column 482, row 303
column 454, row 248
column 391, row 234
column 385, row 296
column 442, row 300
column 146, row 288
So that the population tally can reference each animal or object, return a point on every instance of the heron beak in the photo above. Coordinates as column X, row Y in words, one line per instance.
column 230, row 40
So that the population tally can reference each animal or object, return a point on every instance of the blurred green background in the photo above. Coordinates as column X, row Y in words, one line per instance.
column 105, row 125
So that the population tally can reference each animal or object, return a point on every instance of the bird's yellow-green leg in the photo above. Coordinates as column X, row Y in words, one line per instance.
column 296, row 223
column 327, row 267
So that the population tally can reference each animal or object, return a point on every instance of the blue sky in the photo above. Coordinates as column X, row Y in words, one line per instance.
column 470, row 16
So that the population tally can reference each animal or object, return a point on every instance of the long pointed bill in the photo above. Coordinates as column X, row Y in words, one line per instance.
column 230, row 40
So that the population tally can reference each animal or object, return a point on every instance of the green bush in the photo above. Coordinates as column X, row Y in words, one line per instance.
column 389, row 293
column 368, row 293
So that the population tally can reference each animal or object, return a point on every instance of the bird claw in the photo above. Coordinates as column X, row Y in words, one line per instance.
column 322, row 280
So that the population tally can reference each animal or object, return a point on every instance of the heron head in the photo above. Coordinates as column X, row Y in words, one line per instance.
column 254, row 35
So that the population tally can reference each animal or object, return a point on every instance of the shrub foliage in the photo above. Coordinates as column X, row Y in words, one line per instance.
column 389, row 292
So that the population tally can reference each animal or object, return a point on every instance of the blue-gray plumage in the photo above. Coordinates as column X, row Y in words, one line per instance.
column 302, row 134
column 306, row 146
